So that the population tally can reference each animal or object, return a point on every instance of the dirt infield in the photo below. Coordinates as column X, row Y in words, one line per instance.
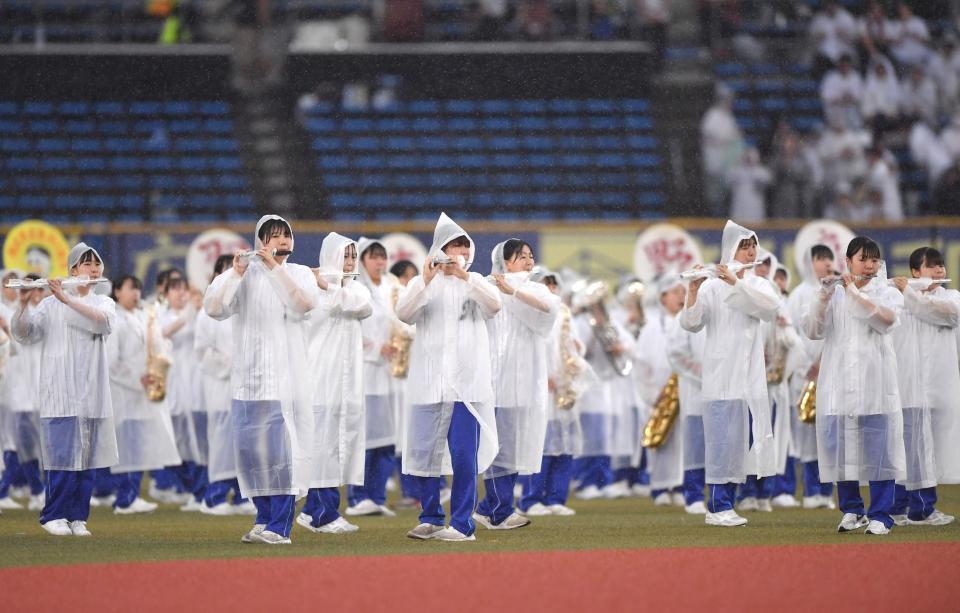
column 878, row 576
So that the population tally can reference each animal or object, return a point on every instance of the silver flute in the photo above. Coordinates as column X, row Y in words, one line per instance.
column 710, row 271
column 837, row 279
column 44, row 283
column 249, row 255
column 922, row 282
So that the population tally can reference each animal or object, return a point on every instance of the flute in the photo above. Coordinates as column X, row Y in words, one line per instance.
column 249, row 255
column 442, row 258
column 921, row 282
column 831, row 280
column 710, row 272
column 44, row 283
column 335, row 273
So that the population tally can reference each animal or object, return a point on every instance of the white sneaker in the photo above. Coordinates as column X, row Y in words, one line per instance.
column 102, row 501
column 139, row 505
column 764, row 505
column 37, row 502
column 364, row 507
column 662, row 500
column 9, row 504
column 537, row 509
column 561, row 509
column 244, row 508
column 515, row 520
column 222, row 509
column 424, row 532
column 445, row 495
column 937, row 518
column 900, row 520
column 391, row 484
column 876, row 528
column 620, row 489
column 387, row 511
column 748, row 504
column 851, row 521
column 192, row 506
column 337, row 526
column 726, row 519
column 268, row 537
column 58, row 527
column 678, row 499
column 257, row 529
column 452, row 534
column 785, row 501
column 591, row 492
column 79, row 528
column 813, row 502
column 697, row 508
column 639, row 490
column 22, row 492
column 828, row 502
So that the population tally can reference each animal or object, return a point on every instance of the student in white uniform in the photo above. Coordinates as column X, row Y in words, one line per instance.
column 12, row 476
column 76, row 412
column 335, row 355
column 736, row 411
column 404, row 271
column 929, row 382
column 859, row 414
column 144, row 431
column 518, row 352
column 451, row 428
column 268, row 299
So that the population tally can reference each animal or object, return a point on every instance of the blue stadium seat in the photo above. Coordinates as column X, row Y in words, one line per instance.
column 62, row 182
column 426, row 124
column 531, row 106
column 193, row 145
column 329, row 162
column 369, row 162
column 496, row 106
column 171, row 182
column 232, row 182
column 364, row 143
column 113, row 127
column 400, row 143
column 401, row 161
column 15, row 145
column 96, row 182
column 177, row 107
column 565, row 106
column 327, row 143
column 393, row 124
column 533, row 123
column 130, row 201
column 66, row 201
column 357, row 124
column 321, row 125
column 28, row 182
column 79, row 126
column 42, row 126
column 642, row 142
column 504, row 143
column 186, row 126
column 725, row 70
column 59, row 163
column 462, row 106
column 193, row 164
column 124, row 164
column 130, row 181
column 573, row 122
column 498, row 123
column 222, row 163
column 145, row 108
column 108, row 108
column 773, row 105
column 37, row 108
column 10, row 126
column 639, row 122
column 468, row 143
column 424, row 107
column 539, row 143
column 74, row 108
column 213, row 108
column 22, row 163
column 8, row 108
column 120, row 145
column 463, row 124
column 86, row 145
column 158, row 163
column 636, row 106
column 198, row 182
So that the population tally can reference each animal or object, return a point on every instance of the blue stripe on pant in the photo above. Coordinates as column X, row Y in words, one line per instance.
column 276, row 512
column 549, row 486
column 378, row 466
column 68, row 495
column 881, row 500
column 463, row 439
column 920, row 503
column 721, row 496
column 128, row 488
column 498, row 502
column 322, row 504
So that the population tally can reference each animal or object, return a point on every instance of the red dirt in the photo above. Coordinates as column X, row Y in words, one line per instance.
column 875, row 577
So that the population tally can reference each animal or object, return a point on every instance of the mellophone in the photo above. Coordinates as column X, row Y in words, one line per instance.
column 44, row 283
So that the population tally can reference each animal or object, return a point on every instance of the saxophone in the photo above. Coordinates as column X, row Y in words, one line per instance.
column 604, row 331
column 807, row 405
column 665, row 411
column 157, row 364
column 400, row 340
column 565, row 396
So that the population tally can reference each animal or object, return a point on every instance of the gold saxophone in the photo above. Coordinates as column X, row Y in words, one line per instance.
column 565, row 396
column 157, row 364
column 665, row 411
column 807, row 405
column 400, row 340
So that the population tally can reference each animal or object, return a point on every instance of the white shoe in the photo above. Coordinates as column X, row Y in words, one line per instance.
column 561, row 509
column 785, row 501
column 876, row 528
column 937, row 518
column 22, row 492
column 828, row 501
column 244, row 508
column 764, row 505
column 9, row 504
column 748, row 504
column 445, row 495
column 102, row 501
column 268, row 537
column 364, row 507
column 616, row 490
column 58, row 527
column 591, row 492
column 337, row 526
column 515, row 520
column 79, row 528
column 537, row 509
column 639, row 490
column 662, row 500
column 37, row 502
column 391, row 484
column 192, row 506
column 139, row 505
column 726, row 519
column 250, row 537
column 221, row 509
column 678, row 499
column 851, row 521
column 424, row 532
column 900, row 520
column 697, row 508
column 452, row 534
column 163, row 496
column 813, row 502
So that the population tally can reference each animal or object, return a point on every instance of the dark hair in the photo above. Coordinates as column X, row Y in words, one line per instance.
column 164, row 275
column 223, row 262
column 119, row 281
column 38, row 248
column 460, row 241
column 869, row 247
column 31, row 276
column 88, row 256
column 400, row 268
column 513, row 247
column 274, row 227
column 820, row 252
column 374, row 249
column 926, row 255
column 176, row 282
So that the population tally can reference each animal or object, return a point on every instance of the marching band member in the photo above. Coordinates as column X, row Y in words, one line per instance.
column 518, row 353
column 859, row 414
column 803, row 364
column 379, row 385
column 335, row 351
column 12, row 475
column 76, row 413
column 404, row 271
column 268, row 299
column 736, row 410
column 451, row 427
column 145, row 438
column 929, row 383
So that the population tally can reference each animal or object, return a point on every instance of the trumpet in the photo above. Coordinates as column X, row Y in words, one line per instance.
column 44, row 283
column 710, row 272
column 249, row 255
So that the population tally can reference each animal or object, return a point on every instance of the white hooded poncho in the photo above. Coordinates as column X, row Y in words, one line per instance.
column 685, row 353
column 76, row 410
column 336, row 365
column 184, row 394
column 449, row 361
column 272, row 418
column 213, row 348
column 733, row 367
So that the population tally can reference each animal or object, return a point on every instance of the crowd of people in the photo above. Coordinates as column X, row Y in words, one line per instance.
column 282, row 382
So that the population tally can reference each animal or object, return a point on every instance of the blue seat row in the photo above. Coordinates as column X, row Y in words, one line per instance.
column 494, row 107
column 118, row 145
column 125, row 182
column 476, row 143
column 479, row 161
column 453, row 180
column 79, row 108
column 162, row 163
column 485, row 124
column 489, row 200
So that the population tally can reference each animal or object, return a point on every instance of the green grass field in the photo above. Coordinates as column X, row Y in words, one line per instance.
column 170, row 534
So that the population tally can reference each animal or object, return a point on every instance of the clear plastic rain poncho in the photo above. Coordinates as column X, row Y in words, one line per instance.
column 271, row 408
column 213, row 346
column 21, row 378
column 76, row 410
column 518, row 356
column 859, row 416
column 685, row 353
column 145, row 435
column 184, row 395
column 7, row 426
column 929, row 385
column 336, row 367
column 378, row 385
column 734, row 373
column 449, row 361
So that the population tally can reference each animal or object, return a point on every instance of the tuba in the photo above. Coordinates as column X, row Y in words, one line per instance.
column 157, row 364
column 565, row 396
column 606, row 334
column 400, row 339
column 807, row 405
column 665, row 411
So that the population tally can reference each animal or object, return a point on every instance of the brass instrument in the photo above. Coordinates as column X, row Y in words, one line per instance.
column 604, row 331
column 807, row 405
column 565, row 396
column 665, row 411
column 400, row 340
column 158, row 364
column 777, row 364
